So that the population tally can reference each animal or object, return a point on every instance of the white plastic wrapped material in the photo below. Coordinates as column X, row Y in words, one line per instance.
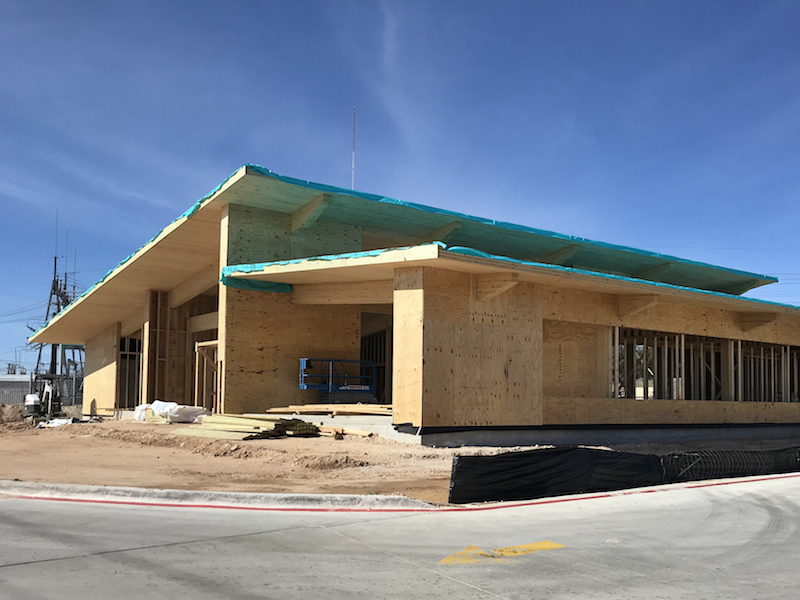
column 187, row 414
column 140, row 412
column 162, row 408
column 176, row 413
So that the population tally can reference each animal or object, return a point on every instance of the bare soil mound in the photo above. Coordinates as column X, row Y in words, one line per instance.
column 11, row 413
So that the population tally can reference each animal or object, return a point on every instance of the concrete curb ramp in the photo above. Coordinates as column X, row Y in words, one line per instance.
column 201, row 499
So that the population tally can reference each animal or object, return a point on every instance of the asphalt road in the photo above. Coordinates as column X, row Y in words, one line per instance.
column 730, row 541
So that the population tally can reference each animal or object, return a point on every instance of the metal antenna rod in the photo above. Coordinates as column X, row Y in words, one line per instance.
column 353, row 163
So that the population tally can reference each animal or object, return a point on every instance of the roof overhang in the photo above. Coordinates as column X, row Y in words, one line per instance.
column 190, row 245
column 379, row 265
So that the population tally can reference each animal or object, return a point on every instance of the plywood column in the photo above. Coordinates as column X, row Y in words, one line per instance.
column 407, row 346
column 464, row 361
column 155, row 347
column 101, row 369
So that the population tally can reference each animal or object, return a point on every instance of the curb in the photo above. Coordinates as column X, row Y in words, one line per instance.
column 203, row 499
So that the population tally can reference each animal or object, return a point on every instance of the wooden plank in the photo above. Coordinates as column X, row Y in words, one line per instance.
column 560, row 256
column 752, row 320
column 134, row 322
column 204, row 322
column 491, row 285
column 195, row 285
column 206, row 433
column 227, row 420
column 342, row 409
column 653, row 273
column 309, row 214
column 440, row 234
column 362, row 292
column 241, row 428
column 633, row 304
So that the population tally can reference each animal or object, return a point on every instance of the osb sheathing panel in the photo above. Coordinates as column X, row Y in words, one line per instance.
column 407, row 336
column 574, row 359
column 101, row 365
column 266, row 335
column 566, row 304
column 482, row 360
column 257, row 235
column 625, row 411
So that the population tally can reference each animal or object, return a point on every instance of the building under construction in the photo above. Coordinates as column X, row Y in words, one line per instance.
column 459, row 323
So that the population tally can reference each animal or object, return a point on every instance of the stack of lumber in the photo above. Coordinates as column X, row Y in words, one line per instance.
column 333, row 409
column 248, row 427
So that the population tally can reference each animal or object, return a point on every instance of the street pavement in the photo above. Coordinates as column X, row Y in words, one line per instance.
column 734, row 540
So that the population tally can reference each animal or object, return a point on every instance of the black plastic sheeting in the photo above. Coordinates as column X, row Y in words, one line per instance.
column 718, row 464
column 574, row 470
column 549, row 472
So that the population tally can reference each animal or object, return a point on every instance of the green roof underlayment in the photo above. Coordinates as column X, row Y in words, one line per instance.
column 268, row 286
column 376, row 213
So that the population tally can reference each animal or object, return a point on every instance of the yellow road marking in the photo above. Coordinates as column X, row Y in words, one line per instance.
column 473, row 554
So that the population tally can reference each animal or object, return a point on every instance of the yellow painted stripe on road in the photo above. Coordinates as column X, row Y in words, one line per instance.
column 512, row 551
column 474, row 554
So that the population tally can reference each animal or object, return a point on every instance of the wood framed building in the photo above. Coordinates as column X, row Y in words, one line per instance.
column 473, row 323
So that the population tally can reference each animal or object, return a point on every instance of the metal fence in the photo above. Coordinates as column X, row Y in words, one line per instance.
column 13, row 392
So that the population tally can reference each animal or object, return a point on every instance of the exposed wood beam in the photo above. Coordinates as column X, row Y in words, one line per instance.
column 633, row 304
column 203, row 322
column 134, row 322
column 559, row 256
column 307, row 215
column 361, row 292
column 381, row 309
column 653, row 273
column 751, row 320
column 194, row 286
column 440, row 234
column 492, row 285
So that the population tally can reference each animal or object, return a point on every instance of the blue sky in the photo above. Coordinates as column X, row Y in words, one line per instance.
column 668, row 126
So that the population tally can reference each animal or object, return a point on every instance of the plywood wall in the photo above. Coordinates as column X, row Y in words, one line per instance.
column 101, row 365
column 565, row 304
column 262, row 335
column 267, row 335
column 256, row 235
column 480, row 362
column 575, row 359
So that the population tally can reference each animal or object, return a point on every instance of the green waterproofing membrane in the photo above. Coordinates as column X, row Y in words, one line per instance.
column 256, row 286
column 378, row 213
column 228, row 271
column 372, row 211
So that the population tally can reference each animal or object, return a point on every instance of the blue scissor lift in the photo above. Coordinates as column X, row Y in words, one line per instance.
column 334, row 377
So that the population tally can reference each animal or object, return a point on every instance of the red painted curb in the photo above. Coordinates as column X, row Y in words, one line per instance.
column 687, row 486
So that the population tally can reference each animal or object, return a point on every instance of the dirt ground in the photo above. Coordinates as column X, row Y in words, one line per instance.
column 127, row 453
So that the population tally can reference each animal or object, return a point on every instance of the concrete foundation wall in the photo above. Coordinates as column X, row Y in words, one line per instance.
column 626, row 411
